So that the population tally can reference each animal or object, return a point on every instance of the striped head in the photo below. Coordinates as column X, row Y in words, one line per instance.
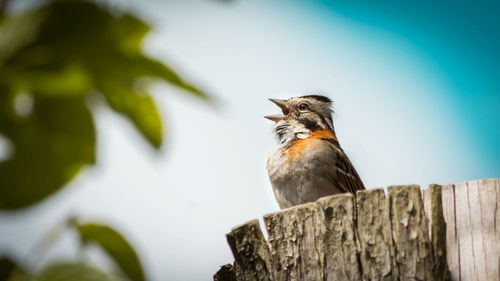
column 301, row 116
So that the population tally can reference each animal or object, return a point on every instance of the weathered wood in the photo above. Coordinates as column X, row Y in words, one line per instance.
column 434, row 234
column 251, row 253
column 452, row 254
column 339, row 243
column 410, row 233
column 433, row 206
column 225, row 273
column 472, row 214
column 375, row 236
column 437, row 228
column 293, row 239
column 315, row 241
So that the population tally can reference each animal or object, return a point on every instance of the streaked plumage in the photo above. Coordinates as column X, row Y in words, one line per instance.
column 308, row 163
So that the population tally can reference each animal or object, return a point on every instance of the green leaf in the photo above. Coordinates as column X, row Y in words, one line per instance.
column 7, row 265
column 10, row 271
column 149, row 67
column 72, row 272
column 128, row 32
column 138, row 107
column 17, row 31
column 116, row 246
column 50, row 146
column 59, row 53
column 80, row 46
column 64, row 80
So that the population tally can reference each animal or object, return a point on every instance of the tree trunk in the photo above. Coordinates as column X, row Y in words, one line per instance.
column 442, row 233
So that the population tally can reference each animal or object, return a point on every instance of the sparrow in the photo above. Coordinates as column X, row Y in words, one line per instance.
column 308, row 162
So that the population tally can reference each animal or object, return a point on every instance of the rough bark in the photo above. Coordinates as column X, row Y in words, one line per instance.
column 437, row 228
column 375, row 236
column 293, row 239
column 408, row 235
column 225, row 273
column 251, row 253
column 340, row 245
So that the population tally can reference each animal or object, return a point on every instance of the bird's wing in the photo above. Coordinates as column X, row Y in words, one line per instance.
column 344, row 176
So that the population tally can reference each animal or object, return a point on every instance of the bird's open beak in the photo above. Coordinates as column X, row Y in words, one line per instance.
column 284, row 109
column 275, row 117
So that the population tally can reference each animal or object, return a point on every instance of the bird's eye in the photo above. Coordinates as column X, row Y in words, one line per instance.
column 303, row 106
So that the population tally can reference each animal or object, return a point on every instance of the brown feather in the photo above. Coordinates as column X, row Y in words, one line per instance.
column 345, row 174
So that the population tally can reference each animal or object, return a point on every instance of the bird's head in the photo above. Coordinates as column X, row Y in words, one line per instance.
column 313, row 111
column 302, row 115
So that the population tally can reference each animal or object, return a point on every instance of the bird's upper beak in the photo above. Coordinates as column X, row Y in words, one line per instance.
column 284, row 109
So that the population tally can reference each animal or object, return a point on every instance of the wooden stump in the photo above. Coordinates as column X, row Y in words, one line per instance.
column 442, row 233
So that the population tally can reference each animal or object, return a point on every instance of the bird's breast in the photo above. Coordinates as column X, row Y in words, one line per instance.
column 298, row 149
column 293, row 170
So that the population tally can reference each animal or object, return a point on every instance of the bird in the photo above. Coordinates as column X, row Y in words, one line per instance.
column 308, row 162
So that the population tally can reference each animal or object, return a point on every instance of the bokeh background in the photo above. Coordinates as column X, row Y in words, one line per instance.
column 416, row 88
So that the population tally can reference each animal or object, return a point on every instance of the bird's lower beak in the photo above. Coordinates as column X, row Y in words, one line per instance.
column 275, row 117
column 284, row 109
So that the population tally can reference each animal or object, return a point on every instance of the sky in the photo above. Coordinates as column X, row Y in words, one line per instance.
column 416, row 92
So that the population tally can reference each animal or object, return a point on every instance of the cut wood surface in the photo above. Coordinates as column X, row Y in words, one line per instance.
column 441, row 233
column 473, row 235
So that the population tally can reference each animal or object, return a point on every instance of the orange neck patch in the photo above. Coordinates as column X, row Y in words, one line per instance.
column 298, row 147
column 323, row 134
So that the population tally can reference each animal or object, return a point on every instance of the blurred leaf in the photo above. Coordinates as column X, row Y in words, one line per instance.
column 50, row 80
column 116, row 246
column 58, row 54
column 51, row 146
column 155, row 68
column 128, row 31
column 17, row 31
column 72, row 272
column 6, row 268
column 81, row 46
column 139, row 107
column 11, row 271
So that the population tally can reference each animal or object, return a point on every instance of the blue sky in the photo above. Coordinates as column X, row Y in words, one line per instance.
column 416, row 91
column 462, row 40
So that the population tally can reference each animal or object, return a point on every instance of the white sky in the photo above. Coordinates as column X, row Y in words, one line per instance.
column 175, row 207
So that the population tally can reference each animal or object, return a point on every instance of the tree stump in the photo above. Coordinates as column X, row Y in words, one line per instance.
column 442, row 233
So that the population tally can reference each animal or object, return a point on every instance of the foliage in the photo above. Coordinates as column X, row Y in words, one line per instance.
column 6, row 267
column 72, row 272
column 109, row 240
column 115, row 245
column 54, row 60
column 51, row 59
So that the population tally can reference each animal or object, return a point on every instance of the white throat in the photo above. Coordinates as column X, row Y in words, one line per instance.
column 288, row 130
